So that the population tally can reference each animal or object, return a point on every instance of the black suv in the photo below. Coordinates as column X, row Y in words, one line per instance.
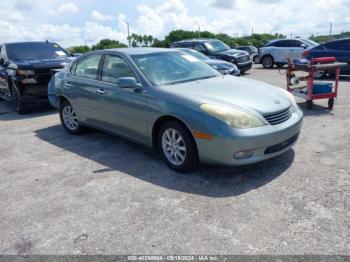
column 26, row 69
column 216, row 49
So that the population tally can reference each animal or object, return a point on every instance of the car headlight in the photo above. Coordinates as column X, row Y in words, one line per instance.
column 233, row 117
column 291, row 99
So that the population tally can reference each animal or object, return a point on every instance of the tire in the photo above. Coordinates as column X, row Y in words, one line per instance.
column 177, row 147
column 256, row 59
column 268, row 62
column 331, row 103
column 309, row 104
column 69, row 118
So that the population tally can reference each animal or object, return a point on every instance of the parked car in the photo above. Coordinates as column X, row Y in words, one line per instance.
column 25, row 71
column 220, row 65
column 340, row 49
column 166, row 100
column 216, row 49
column 252, row 50
column 277, row 52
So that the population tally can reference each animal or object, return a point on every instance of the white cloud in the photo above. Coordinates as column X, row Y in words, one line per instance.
column 97, row 16
column 68, row 8
column 94, row 32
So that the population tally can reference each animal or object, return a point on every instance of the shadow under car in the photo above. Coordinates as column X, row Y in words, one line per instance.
column 117, row 154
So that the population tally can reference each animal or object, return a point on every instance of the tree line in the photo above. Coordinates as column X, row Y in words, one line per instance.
column 136, row 40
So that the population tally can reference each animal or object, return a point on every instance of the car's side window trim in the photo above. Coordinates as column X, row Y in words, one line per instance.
column 119, row 56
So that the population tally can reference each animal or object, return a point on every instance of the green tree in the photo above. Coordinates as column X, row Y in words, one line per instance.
column 108, row 44
column 79, row 49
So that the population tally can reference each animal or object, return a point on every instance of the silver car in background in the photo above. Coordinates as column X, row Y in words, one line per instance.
column 277, row 52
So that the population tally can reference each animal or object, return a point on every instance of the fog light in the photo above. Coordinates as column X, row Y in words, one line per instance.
column 244, row 154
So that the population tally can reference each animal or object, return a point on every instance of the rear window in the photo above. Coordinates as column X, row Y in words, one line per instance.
column 34, row 51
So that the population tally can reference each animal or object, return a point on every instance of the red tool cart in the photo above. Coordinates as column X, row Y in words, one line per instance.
column 306, row 86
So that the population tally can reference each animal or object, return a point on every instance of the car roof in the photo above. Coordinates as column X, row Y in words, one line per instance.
column 201, row 40
column 337, row 40
column 140, row 50
column 29, row 42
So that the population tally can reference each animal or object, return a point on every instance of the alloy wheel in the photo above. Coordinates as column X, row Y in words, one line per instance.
column 70, row 118
column 174, row 147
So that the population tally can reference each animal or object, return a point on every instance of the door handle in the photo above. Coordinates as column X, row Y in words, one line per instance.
column 68, row 84
column 100, row 91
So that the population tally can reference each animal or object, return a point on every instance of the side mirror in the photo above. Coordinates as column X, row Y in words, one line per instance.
column 303, row 46
column 127, row 82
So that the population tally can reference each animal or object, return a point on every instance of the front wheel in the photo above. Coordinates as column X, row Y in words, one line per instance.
column 268, row 62
column 69, row 118
column 177, row 147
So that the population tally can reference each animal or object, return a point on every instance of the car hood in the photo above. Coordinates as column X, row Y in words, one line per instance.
column 42, row 63
column 233, row 52
column 234, row 92
column 214, row 62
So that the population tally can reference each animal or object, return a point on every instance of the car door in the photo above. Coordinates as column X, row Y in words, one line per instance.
column 81, row 88
column 122, row 110
column 296, row 49
column 281, row 51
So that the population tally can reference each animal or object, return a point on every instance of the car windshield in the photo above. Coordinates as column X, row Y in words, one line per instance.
column 34, row 51
column 254, row 49
column 217, row 46
column 169, row 68
column 310, row 42
column 194, row 53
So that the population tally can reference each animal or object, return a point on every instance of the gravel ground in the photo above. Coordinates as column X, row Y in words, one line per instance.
column 95, row 193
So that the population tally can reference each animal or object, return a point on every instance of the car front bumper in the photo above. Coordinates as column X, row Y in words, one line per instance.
column 245, row 66
column 266, row 142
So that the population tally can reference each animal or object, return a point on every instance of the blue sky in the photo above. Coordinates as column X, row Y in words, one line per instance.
column 73, row 22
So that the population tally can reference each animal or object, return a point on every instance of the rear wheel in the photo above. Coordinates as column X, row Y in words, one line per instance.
column 69, row 118
column 268, row 62
column 177, row 147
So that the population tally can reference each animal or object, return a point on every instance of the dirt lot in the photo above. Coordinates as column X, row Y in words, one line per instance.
column 61, row 194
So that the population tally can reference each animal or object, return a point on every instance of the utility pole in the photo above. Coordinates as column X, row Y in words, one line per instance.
column 330, row 28
column 252, row 31
column 199, row 31
column 129, row 40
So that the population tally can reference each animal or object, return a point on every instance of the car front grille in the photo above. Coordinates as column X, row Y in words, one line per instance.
column 279, row 117
column 243, row 59
column 43, row 75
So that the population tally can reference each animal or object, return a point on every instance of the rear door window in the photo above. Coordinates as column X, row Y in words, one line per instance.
column 281, row 44
column 87, row 67
column 339, row 45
